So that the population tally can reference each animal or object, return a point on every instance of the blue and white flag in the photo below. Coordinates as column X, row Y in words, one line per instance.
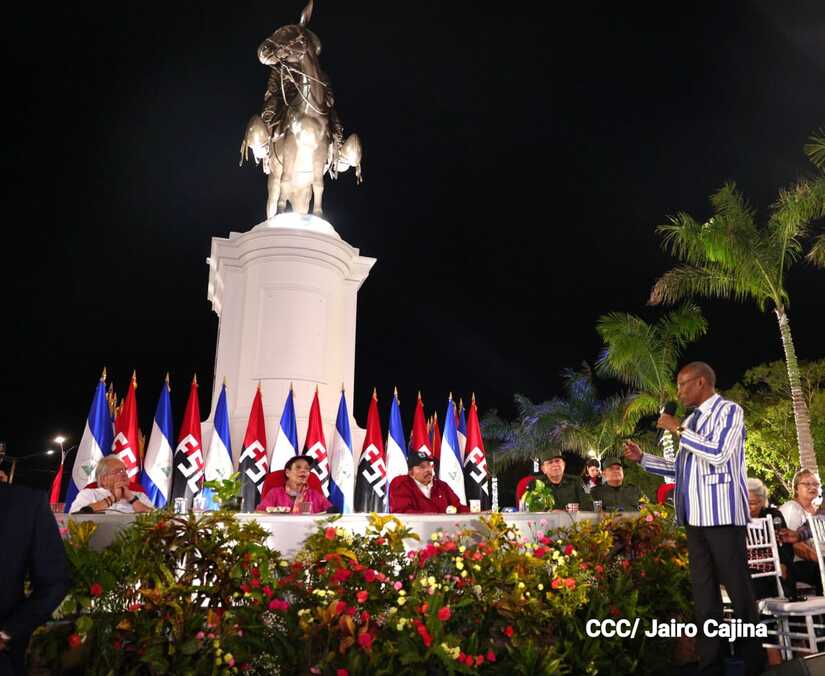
column 286, row 438
column 341, row 462
column 396, row 450
column 462, row 430
column 156, row 476
column 95, row 443
column 450, row 468
column 219, row 456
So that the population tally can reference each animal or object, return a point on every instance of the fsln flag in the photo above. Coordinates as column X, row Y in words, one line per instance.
column 316, row 446
column 94, row 444
column 418, row 435
column 476, row 473
column 218, row 464
column 252, row 462
column 449, row 468
column 371, row 477
column 187, row 472
column 126, row 444
column 396, row 450
column 435, row 438
column 462, row 428
column 286, row 436
column 156, row 477
column 341, row 462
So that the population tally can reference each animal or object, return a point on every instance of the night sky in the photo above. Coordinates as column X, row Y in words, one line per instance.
column 515, row 169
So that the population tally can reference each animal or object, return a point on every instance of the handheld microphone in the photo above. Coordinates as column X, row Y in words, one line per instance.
column 669, row 408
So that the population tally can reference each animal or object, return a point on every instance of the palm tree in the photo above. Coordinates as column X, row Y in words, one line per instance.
column 578, row 421
column 730, row 256
column 815, row 150
column 645, row 356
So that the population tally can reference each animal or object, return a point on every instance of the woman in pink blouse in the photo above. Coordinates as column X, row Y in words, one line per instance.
column 296, row 492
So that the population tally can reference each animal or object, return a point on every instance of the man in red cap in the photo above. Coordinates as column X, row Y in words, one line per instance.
column 419, row 492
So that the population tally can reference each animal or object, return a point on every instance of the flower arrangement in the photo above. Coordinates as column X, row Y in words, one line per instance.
column 538, row 498
column 176, row 594
column 227, row 491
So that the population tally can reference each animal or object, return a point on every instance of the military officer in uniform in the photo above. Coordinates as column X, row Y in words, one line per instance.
column 566, row 489
column 616, row 496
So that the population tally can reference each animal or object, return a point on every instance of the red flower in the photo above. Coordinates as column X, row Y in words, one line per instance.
column 256, row 572
column 117, row 644
column 370, row 575
column 599, row 568
column 424, row 608
column 445, row 613
column 556, row 583
column 479, row 660
column 491, row 656
column 570, row 583
column 365, row 617
column 341, row 672
column 584, row 565
column 244, row 587
column 255, row 582
column 278, row 604
column 568, row 550
column 615, row 612
column 365, row 641
column 75, row 641
column 508, row 631
column 362, row 596
column 330, row 533
column 340, row 607
column 267, row 590
column 625, row 564
column 380, row 541
column 96, row 589
column 468, row 660
column 539, row 552
column 341, row 575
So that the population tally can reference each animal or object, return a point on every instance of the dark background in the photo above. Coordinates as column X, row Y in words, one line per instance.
column 516, row 166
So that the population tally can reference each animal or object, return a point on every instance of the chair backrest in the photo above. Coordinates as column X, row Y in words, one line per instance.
column 763, row 552
column 278, row 478
column 522, row 486
column 664, row 491
column 817, row 525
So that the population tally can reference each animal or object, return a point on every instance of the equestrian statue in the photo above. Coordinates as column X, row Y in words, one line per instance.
column 298, row 137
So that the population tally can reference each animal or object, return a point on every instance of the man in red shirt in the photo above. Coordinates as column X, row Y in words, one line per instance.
column 420, row 492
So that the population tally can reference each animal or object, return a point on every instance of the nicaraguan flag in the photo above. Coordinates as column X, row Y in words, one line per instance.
column 396, row 448
column 341, row 462
column 462, row 430
column 450, row 469
column 286, row 438
column 219, row 457
column 156, row 477
column 95, row 443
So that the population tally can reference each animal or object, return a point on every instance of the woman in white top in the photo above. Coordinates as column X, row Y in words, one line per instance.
column 805, row 491
column 113, row 493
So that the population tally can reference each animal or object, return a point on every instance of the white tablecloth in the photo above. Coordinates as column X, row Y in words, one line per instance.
column 288, row 531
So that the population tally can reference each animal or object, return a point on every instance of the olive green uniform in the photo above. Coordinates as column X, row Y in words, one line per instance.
column 570, row 489
column 624, row 498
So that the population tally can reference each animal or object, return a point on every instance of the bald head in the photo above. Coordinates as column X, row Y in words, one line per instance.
column 695, row 383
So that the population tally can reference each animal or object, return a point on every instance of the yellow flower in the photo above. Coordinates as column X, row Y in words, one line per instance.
column 463, row 573
column 401, row 592
column 435, row 536
column 521, row 585
column 401, row 600
column 476, row 567
column 431, row 580
column 461, row 549
column 452, row 652
column 228, row 658
column 541, row 586
column 283, row 564
column 459, row 563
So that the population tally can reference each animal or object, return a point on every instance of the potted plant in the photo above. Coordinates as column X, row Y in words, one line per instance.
column 538, row 498
column 227, row 492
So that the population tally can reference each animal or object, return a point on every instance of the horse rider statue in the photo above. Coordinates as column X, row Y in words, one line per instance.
column 298, row 137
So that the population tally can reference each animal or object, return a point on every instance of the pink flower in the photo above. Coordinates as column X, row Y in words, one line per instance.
column 96, row 589
column 570, row 583
column 200, row 636
column 365, row 641
column 649, row 518
column 278, row 604
column 362, row 596
column 397, row 586
column 491, row 656
column 445, row 613
column 330, row 533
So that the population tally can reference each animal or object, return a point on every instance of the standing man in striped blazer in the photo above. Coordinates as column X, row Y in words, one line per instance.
column 711, row 502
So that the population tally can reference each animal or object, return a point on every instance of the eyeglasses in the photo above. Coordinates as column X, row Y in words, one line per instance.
column 810, row 484
column 117, row 471
column 686, row 381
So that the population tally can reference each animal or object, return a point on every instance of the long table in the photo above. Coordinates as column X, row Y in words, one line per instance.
column 288, row 531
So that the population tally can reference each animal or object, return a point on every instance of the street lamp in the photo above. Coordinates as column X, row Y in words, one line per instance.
column 15, row 460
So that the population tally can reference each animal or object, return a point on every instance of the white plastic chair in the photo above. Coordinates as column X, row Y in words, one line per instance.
column 799, row 624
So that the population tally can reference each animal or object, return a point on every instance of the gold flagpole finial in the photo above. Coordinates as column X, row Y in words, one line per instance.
column 375, row 393
column 290, row 386
column 461, row 403
column 419, row 395
column 134, row 379
column 259, row 385
column 435, row 416
column 474, row 399
column 450, row 398
column 395, row 391
column 224, row 381
column 103, row 375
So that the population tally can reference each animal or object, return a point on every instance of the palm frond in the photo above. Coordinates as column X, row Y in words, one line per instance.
column 816, row 253
column 710, row 281
column 815, row 148
column 641, row 405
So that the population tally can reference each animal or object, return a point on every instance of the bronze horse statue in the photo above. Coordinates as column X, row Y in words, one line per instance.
column 298, row 137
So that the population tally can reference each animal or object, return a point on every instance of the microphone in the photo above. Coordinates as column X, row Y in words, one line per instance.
column 669, row 408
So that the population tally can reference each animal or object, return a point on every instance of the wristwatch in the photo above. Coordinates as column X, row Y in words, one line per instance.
column 133, row 500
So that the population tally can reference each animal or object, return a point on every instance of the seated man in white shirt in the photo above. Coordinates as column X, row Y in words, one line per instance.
column 112, row 491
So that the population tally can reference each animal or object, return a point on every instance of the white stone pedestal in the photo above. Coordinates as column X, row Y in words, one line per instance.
column 286, row 295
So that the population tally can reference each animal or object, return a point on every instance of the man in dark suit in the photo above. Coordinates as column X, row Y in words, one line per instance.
column 30, row 547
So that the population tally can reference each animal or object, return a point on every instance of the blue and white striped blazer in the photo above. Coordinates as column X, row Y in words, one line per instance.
column 709, row 466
